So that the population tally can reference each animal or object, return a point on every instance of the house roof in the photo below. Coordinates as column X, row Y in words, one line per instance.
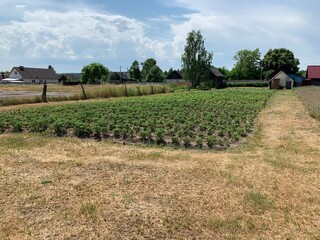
column 216, row 72
column 35, row 73
column 292, row 76
column 313, row 72
column 75, row 77
column 122, row 75
column 175, row 74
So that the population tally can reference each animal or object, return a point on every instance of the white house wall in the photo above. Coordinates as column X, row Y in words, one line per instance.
column 15, row 74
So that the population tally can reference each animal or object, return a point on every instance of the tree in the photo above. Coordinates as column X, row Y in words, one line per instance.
column 280, row 58
column 195, row 59
column 226, row 72
column 134, row 71
column 155, row 74
column 51, row 68
column 147, row 66
column 94, row 73
column 247, row 64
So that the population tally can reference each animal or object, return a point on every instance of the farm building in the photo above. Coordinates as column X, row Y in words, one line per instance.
column 175, row 76
column 313, row 74
column 32, row 75
column 285, row 79
column 213, row 74
column 121, row 77
column 70, row 78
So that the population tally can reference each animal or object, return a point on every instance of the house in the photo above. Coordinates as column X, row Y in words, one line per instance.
column 70, row 78
column 175, row 76
column 33, row 75
column 217, row 77
column 285, row 79
column 121, row 77
column 213, row 74
column 313, row 74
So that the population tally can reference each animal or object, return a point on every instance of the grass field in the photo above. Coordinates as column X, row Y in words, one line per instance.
column 68, row 188
column 311, row 98
column 76, row 92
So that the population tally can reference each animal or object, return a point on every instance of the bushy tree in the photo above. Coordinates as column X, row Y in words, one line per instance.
column 196, row 60
column 134, row 71
column 280, row 58
column 94, row 73
column 225, row 72
column 247, row 64
column 147, row 66
column 155, row 74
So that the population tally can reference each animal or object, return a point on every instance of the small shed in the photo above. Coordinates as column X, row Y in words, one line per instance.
column 285, row 80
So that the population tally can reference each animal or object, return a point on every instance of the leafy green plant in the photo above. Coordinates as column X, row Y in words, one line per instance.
column 210, row 141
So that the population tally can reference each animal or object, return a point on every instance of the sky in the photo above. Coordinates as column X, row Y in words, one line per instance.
column 69, row 34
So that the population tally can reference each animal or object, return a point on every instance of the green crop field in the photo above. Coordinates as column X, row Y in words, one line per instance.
column 196, row 119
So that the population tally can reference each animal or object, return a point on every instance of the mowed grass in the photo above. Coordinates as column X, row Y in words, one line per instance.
column 68, row 188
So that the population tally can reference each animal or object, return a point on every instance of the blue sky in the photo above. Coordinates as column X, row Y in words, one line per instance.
column 70, row 34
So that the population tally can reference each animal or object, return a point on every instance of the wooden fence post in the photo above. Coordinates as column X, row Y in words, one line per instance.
column 84, row 93
column 44, row 92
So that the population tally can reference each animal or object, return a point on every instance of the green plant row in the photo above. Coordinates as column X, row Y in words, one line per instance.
column 199, row 119
column 247, row 84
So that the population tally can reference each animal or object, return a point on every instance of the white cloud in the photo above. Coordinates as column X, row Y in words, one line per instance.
column 20, row 6
column 254, row 25
column 77, row 35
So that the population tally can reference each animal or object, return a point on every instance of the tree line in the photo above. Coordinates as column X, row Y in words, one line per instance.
column 196, row 61
column 150, row 72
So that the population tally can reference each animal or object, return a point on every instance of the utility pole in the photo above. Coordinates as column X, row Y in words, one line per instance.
column 261, row 69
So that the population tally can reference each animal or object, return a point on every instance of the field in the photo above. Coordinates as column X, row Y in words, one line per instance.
column 72, row 188
column 311, row 98
column 65, row 93
column 212, row 119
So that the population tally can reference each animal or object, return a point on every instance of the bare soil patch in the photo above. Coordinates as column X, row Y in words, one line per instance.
column 69, row 188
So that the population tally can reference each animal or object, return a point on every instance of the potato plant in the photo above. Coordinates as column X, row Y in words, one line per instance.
column 196, row 119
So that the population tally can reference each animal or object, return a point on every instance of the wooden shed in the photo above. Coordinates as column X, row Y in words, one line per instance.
column 281, row 80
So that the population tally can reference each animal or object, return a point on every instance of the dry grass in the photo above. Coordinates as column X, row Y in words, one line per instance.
column 81, row 189
column 311, row 98
column 76, row 93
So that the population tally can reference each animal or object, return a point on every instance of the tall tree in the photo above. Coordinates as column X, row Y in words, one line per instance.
column 155, row 74
column 134, row 71
column 196, row 60
column 94, row 73
column 280, row 58
column 247, row 64
column 147, row 66
column 51, row 68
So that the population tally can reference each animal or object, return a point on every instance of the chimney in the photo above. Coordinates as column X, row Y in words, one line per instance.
column 21, row 68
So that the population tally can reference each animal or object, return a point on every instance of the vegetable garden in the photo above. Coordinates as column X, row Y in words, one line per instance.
column 196, row 119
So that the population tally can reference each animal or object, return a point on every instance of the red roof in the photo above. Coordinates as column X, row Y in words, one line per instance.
column 313, row 72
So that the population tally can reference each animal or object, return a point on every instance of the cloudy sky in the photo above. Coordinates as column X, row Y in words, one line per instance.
column 69, row 34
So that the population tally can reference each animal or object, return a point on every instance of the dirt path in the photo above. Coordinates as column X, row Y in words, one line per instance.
column 73, row 189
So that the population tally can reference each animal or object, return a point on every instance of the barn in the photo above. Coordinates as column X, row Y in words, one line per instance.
column 313, row 74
